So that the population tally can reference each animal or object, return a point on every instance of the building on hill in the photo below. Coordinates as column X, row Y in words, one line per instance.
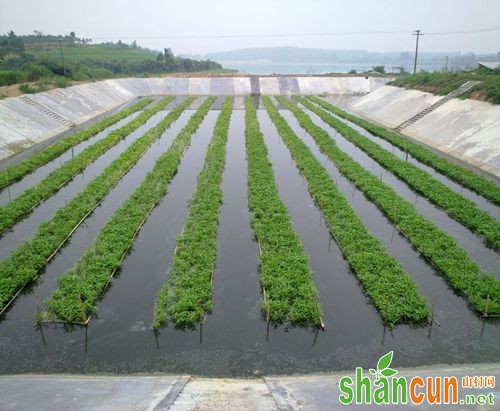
column 490, row 65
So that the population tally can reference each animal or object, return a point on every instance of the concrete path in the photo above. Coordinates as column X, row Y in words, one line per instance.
column 312, row 392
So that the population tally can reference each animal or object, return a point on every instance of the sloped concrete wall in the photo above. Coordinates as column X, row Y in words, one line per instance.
column 468, row 130
column 391, row 106
column 22, row 126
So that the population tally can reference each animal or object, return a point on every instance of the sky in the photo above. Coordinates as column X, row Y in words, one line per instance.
column 215, row 25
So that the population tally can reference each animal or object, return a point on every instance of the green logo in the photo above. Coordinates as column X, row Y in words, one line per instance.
column 383, row 370
column 388, row 389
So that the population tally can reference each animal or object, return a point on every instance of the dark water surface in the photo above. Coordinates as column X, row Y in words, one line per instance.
column 30, row 180
column 480, row 201
column 235, row 340
column 488, row 258
column 25, row 228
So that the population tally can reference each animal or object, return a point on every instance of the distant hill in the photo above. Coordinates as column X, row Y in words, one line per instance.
column 283, row 58
column 285, row 54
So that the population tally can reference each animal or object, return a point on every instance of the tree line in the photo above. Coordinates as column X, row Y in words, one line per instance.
column 18, row 64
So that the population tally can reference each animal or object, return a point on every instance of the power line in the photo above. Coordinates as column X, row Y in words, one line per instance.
column 442, row 33
column 208, row 36
column 268, row 35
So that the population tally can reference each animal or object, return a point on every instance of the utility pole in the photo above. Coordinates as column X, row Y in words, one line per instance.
column 62, row 57
column 446, row 67
column 418, row 34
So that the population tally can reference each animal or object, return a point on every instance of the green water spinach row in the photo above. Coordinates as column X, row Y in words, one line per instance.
column 290, row 296
column 19, row 170
column 455, row 205
column 29, row 199
column 468, row 178
column 187, row 296
column 83, row 286
column 24, row 264
column 392, row 291
column 481, row 290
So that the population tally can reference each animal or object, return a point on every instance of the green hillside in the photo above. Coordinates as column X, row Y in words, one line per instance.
column 80, row 52
column 444, row 83
column 34, row 61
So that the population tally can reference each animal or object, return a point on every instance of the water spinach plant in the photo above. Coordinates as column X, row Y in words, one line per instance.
column 187, row 296
column 25, row 263
column 21, row 169
column 482, row 290
column 83, row 286
column 290, row 296
column 392, row 291
column 464, row 176
column 455, row 205
column 29, row 199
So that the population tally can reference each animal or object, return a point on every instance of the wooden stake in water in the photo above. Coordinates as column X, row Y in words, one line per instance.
column 433, row 318
column 315, row 337
column 487, row 304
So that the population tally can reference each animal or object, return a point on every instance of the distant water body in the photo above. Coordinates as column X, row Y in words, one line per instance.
column 264, row 67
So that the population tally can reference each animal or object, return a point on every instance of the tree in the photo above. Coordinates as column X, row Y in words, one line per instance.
column 169, row 59
column 379, row 69
column 72, row 35
column 11, row 44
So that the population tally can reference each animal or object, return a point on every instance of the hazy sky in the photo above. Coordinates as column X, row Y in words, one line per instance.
column 149, row 20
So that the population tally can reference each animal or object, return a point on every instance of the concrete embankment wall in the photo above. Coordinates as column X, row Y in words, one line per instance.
column 466, row 129
column 25, row 123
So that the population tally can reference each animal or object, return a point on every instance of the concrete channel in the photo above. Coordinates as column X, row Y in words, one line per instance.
column 465, row 130
column 234, row 340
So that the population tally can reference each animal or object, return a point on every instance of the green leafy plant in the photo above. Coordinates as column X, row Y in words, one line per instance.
column 290, row 296
column 187, row 296
column 83, row 286
column 19, row 170
column 468, row 178
column 25, row 263
column 481, row 290
column 392, row 291
column 454, row 204
column 29, row 199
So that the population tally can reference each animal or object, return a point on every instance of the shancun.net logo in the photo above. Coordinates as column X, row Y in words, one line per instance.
column 387, row 388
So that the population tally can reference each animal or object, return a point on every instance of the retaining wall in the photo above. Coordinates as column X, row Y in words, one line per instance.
column 465, row 129
column 22, row 126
